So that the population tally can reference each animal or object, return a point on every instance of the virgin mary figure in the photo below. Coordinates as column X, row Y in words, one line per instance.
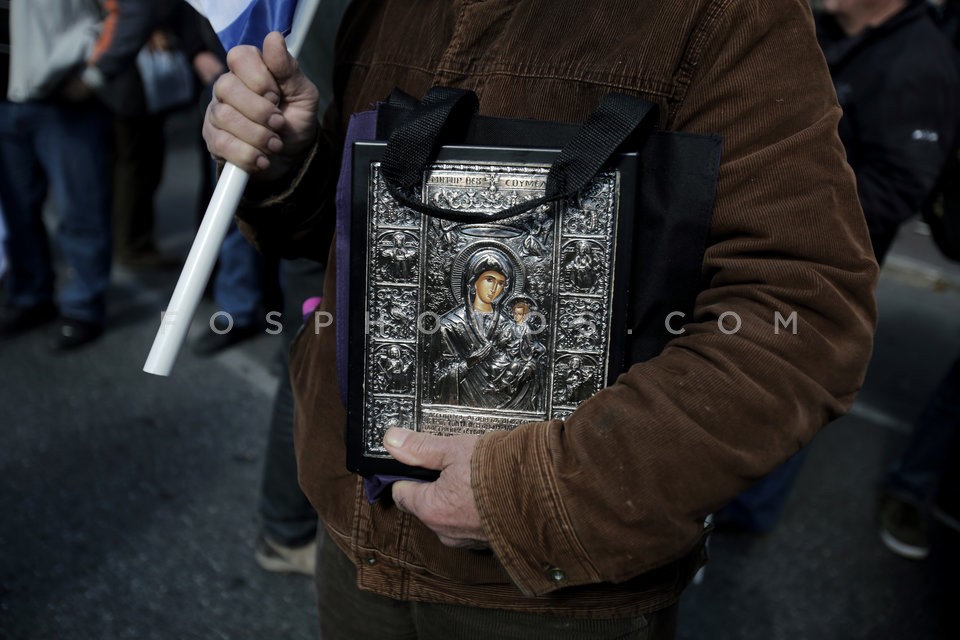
column 463, row 345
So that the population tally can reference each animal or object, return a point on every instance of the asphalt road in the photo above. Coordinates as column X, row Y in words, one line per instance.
column 128, row 501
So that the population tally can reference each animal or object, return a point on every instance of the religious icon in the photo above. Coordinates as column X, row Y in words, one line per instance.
column 479, row 324
column 471, row 340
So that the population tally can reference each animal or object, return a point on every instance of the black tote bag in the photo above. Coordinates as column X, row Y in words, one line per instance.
column 585, row 289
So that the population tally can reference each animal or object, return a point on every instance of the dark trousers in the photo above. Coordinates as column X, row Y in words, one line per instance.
column 882, row 240
column 914, row 476
column 945, row 557
column 286, row 516
column 139, row 148
column 347, row 613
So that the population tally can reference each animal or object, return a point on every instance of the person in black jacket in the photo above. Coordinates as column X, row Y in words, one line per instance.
column 900, row 91
column 896, row 75
column 897, row 80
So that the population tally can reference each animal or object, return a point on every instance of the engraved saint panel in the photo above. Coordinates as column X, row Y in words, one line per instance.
column 578, row 378
column 398, row 252
column 583, row 266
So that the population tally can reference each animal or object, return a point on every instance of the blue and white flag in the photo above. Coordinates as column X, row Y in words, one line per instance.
column 246, row 21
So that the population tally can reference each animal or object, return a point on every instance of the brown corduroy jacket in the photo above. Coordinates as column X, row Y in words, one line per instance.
column 601, row 515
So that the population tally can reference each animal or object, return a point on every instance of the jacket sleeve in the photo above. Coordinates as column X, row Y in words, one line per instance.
column 288, row 219
column 901, row 140
column 126, row 26
column 623, row 485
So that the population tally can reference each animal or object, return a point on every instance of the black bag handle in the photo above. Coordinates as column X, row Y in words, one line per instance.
column 444, row 111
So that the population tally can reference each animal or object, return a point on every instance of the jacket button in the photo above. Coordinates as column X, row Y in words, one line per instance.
column 556, row 575
column 371, row 561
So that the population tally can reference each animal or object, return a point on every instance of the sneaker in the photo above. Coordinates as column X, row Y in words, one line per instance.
column 17, row 320
column 903, row 528
column 71, row 333
column 280, row 559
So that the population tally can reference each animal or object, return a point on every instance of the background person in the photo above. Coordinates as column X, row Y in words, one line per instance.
column 55, row 135
column 897, row 80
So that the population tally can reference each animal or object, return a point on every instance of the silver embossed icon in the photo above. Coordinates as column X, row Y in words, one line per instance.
column 483, row 325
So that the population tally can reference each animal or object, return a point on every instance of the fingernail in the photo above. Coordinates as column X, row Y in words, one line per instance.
column 275, row 121
column 262, row 162
column 275, row 145
column 395, row 437
column 272, row 97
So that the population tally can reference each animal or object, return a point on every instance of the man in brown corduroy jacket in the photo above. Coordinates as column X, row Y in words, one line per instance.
column 591, row 526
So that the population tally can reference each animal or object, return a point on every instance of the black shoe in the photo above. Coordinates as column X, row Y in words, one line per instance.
column 16, row 320
column 70, row 334
column 903, row 528
column 213, row 342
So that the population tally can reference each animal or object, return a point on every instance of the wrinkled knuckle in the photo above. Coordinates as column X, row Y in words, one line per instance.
column 263, row 138
column 221, row 114
column 222, row 86
column 207, row 130
column 218, row 140
column 263, row 110
column 239, row 54
column 229, row 116
column 243, row 155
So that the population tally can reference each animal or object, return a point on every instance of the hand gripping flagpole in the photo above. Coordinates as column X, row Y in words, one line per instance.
column 175, row 321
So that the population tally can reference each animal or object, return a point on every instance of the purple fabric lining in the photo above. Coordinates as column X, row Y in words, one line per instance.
column 362, row 126
column 378, row 487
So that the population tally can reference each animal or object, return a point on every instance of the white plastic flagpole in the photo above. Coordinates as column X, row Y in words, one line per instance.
column 175, row 321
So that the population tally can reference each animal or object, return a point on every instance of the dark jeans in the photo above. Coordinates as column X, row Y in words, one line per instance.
column 758, row 508
column 238, row 286
column 347, row 613
column 64, row 150
column 915, row 474
column 286, row 516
